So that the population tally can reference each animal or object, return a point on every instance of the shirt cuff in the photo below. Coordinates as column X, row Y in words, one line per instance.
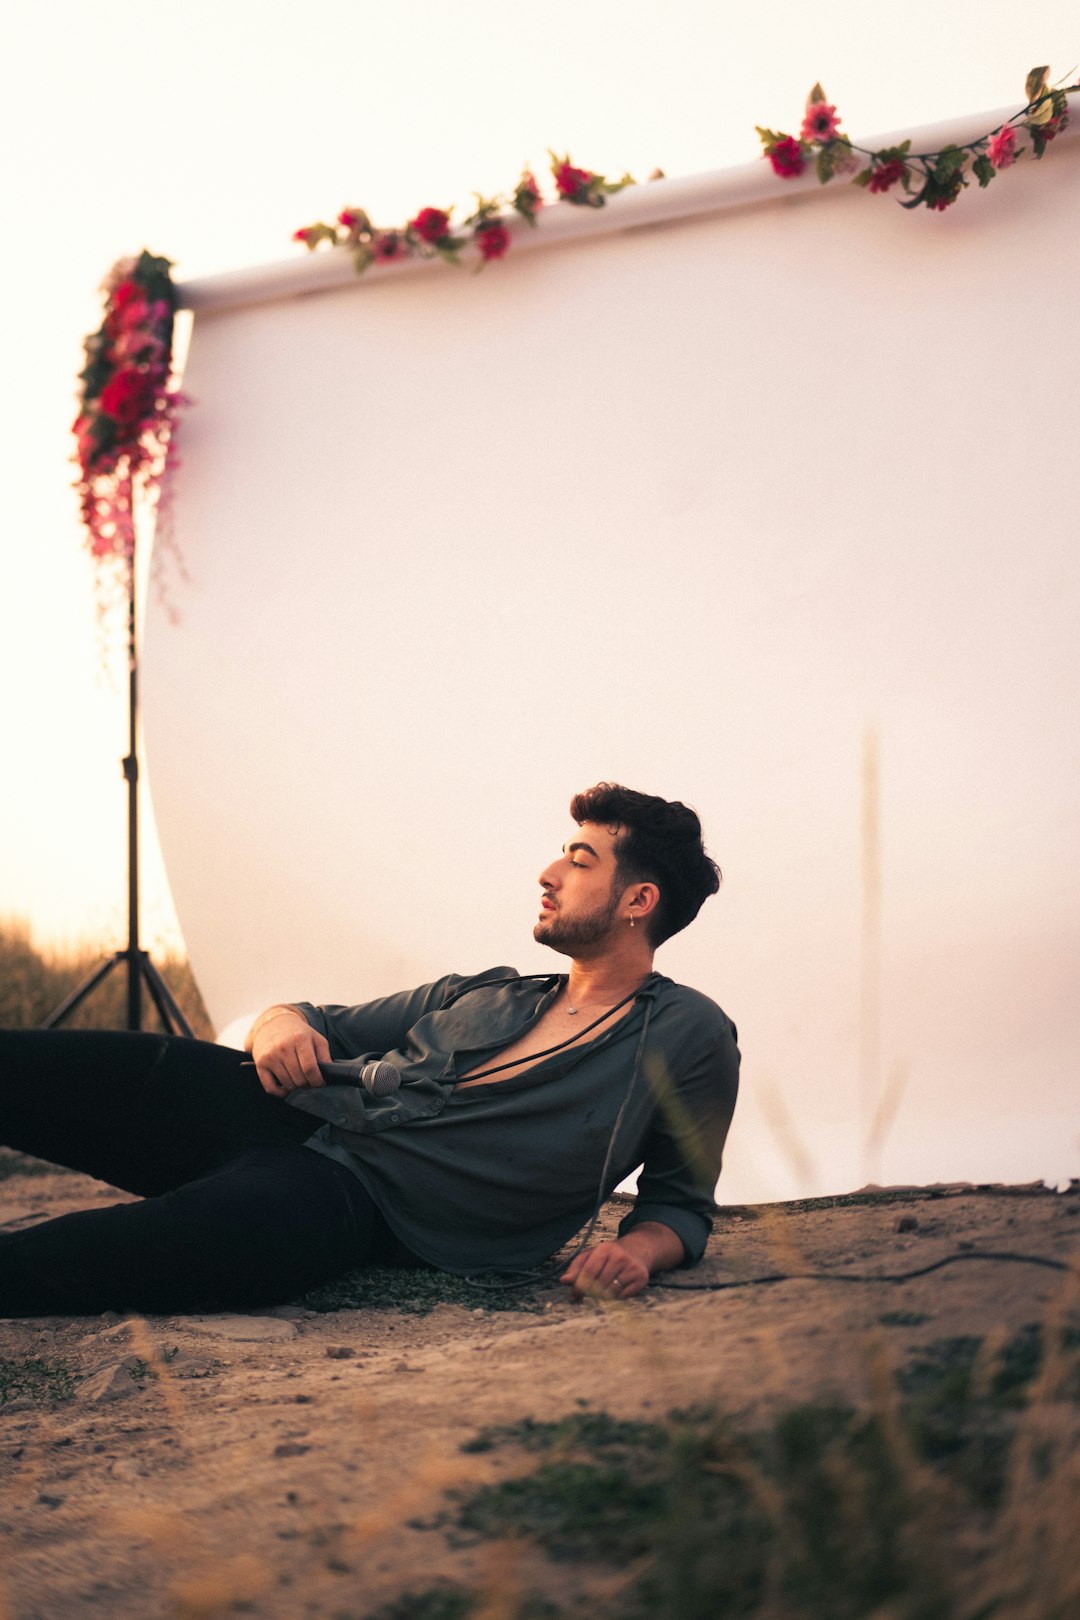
column 692, row 1230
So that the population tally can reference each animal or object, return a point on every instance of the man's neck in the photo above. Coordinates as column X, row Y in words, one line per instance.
column 603, row 981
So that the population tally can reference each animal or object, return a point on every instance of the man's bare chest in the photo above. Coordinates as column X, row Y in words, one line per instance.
column 556, row 1026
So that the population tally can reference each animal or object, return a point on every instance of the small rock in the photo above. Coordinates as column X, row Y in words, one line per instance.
column 50, row 1501
column 110, row 1318
column 340, row 1352
column 290, row 1448
column 111, row 1383
column 907, row 1223
column 302, row 1400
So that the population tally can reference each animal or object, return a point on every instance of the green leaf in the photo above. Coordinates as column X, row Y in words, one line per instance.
column 817, row 94
column 983, row 169
column 950, row 161
column 769, row 137
column 1035, row 83
column 824, row 165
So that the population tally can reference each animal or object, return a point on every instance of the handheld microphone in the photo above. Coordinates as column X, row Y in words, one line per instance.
column 379, row 1077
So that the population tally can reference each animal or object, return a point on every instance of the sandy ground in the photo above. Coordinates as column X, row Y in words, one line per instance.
column 269, row 1463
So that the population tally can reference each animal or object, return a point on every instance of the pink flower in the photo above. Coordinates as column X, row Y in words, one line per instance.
column 1003, row 147
column 389, row 247
column 786, row 158
column 885, row 175
column 303, row 235
column 430, row 225
column 569, row 182
column 493, row 239
column 821, row 123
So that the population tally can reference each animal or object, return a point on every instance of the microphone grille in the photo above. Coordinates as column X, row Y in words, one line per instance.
column 382, row 1079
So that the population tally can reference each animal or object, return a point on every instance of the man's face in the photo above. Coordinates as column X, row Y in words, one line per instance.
column 581, row 896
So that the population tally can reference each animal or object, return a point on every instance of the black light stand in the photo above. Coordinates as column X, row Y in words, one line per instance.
column 139, row 966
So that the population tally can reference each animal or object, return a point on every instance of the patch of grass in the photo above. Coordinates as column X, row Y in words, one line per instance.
column 957, row 1395
column 698, row 1506
column 416, row 1292
column 572, row 1509
column 827, row 1514
column 598, row 1431
column 35, row 1378
column 34, row 980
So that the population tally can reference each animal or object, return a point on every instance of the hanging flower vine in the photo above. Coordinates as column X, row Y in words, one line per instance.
column 930, row 179
column 128, row 403
column 125, row 430
column 430, row 234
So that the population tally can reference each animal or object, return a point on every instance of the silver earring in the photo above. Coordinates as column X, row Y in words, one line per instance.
column 631, row 919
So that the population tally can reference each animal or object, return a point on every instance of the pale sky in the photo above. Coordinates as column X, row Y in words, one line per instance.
column 208, row 133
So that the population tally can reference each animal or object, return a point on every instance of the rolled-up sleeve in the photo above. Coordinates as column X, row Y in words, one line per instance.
column 694, row 1092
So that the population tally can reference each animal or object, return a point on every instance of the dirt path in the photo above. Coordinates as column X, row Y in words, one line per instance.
column 270, row 1464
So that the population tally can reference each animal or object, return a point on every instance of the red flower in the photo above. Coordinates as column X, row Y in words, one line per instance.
column 942, row 199
column 389, row 247
column 1003, row 148
column 1051, row 128
column 821, row 123
column 493, row 239
column 125, row 292
column 786, row 158
column 303, row 235
column 128, row 397
column 430, row 225
column 570, row 182
column 885, row 175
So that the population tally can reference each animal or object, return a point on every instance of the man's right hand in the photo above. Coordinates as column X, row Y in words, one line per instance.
column 287, row 1051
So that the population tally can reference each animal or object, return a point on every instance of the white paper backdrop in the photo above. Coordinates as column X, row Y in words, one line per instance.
column 689, row 508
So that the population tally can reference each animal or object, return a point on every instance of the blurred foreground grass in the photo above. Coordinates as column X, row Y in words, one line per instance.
column 954, row 1496
column 34, row 981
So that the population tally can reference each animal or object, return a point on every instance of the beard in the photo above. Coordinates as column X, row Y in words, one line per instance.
column 572, row 935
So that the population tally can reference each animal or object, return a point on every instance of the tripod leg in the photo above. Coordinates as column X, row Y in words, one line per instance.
column 164, row 1000
column 80, row 993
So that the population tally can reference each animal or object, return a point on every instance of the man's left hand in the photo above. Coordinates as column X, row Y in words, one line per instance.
column 606, row 1271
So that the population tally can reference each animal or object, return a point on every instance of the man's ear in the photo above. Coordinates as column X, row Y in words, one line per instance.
column 641, row 900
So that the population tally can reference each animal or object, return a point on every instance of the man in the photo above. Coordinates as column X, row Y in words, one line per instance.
column 522, row 1103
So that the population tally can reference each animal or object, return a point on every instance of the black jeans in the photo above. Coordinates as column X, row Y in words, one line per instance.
column 234, row 1211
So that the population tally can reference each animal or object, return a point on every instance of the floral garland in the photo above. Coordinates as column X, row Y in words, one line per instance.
column 125, row 428
column 939, row 176
column 127, row 405
column 430, row 234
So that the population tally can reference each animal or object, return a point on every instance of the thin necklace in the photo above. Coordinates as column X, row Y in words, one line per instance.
column 573, row 1011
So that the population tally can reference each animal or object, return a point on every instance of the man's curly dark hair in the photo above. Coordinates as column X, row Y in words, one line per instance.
column 660, row 843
